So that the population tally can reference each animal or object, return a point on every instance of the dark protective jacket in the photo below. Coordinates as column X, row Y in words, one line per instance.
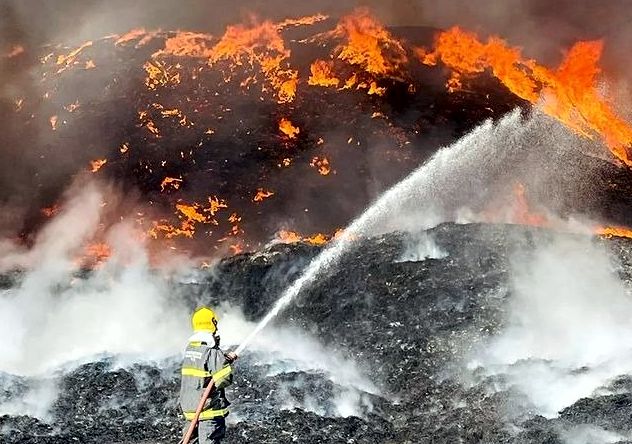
column 204, row 360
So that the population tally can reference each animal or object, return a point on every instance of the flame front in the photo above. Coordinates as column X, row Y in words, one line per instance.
column 368, row 44
column 569, row 94
column 95, row 253
column 261, row 47
column 365, row 44
column 193, row 81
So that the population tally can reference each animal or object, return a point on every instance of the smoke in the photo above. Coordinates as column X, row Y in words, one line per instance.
column 544, row 28
column 284, row 350
column 568, row 331
column 421, row 246
column 33, row 399
column 52, row 317
column 586, row 434
column 57, row 317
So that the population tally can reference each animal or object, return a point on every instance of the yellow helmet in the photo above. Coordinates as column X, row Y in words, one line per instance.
column 204, row 319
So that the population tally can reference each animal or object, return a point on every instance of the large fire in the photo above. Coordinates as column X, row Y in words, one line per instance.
column 368, row 44
column 569, row 93
column 203, row 103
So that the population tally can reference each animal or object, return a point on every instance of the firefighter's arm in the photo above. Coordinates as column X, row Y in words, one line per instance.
column 223, row 375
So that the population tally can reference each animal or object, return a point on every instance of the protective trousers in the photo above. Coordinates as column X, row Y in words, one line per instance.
column 210, row 431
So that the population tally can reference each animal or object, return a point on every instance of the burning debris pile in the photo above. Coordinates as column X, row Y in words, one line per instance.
column 131, row 158
column 421, row 377
column 287, row 127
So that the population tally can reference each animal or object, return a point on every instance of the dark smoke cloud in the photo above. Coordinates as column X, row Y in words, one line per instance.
column 543, row 27
column 526, row 20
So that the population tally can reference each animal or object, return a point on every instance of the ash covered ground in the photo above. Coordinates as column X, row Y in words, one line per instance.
column 412, row 338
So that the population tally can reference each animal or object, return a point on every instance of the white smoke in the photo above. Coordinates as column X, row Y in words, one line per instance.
column 285, row 350
column 35, row 401
column 51, row 318
column 585, row 434
column 569, row 331
column 421, row 246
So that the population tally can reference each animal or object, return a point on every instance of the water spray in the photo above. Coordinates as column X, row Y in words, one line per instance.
column 467, row 164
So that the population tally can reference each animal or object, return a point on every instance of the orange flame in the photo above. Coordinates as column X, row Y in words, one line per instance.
column 316, row 239
column 286, row 127
column 292, row 237
column 160, row 74
column 191, row 44
column 95, row 165
column 322, row 74
column 235, row 230
column 262, row 194
column 172, row 182
column 191, row 212
column 569, row 94
column 67, row 60
column 377, row 90
column 288, row 237
column 216, row 204
column 169, row 231
column 258, row 45
column 133, row 34
column 190, row 215
column 321, row 164
column 369, row 45
column 614, row 231
column 302, row 21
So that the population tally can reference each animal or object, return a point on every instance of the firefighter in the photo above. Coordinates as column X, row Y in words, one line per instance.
column 203, row 361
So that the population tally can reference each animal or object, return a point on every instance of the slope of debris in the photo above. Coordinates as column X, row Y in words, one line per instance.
column 173, row 130
column 406, row 321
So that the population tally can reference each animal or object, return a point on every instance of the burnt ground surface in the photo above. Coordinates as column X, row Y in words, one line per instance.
column 409, row 322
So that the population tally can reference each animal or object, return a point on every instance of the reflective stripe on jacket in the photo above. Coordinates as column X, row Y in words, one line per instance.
column 202, row 363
